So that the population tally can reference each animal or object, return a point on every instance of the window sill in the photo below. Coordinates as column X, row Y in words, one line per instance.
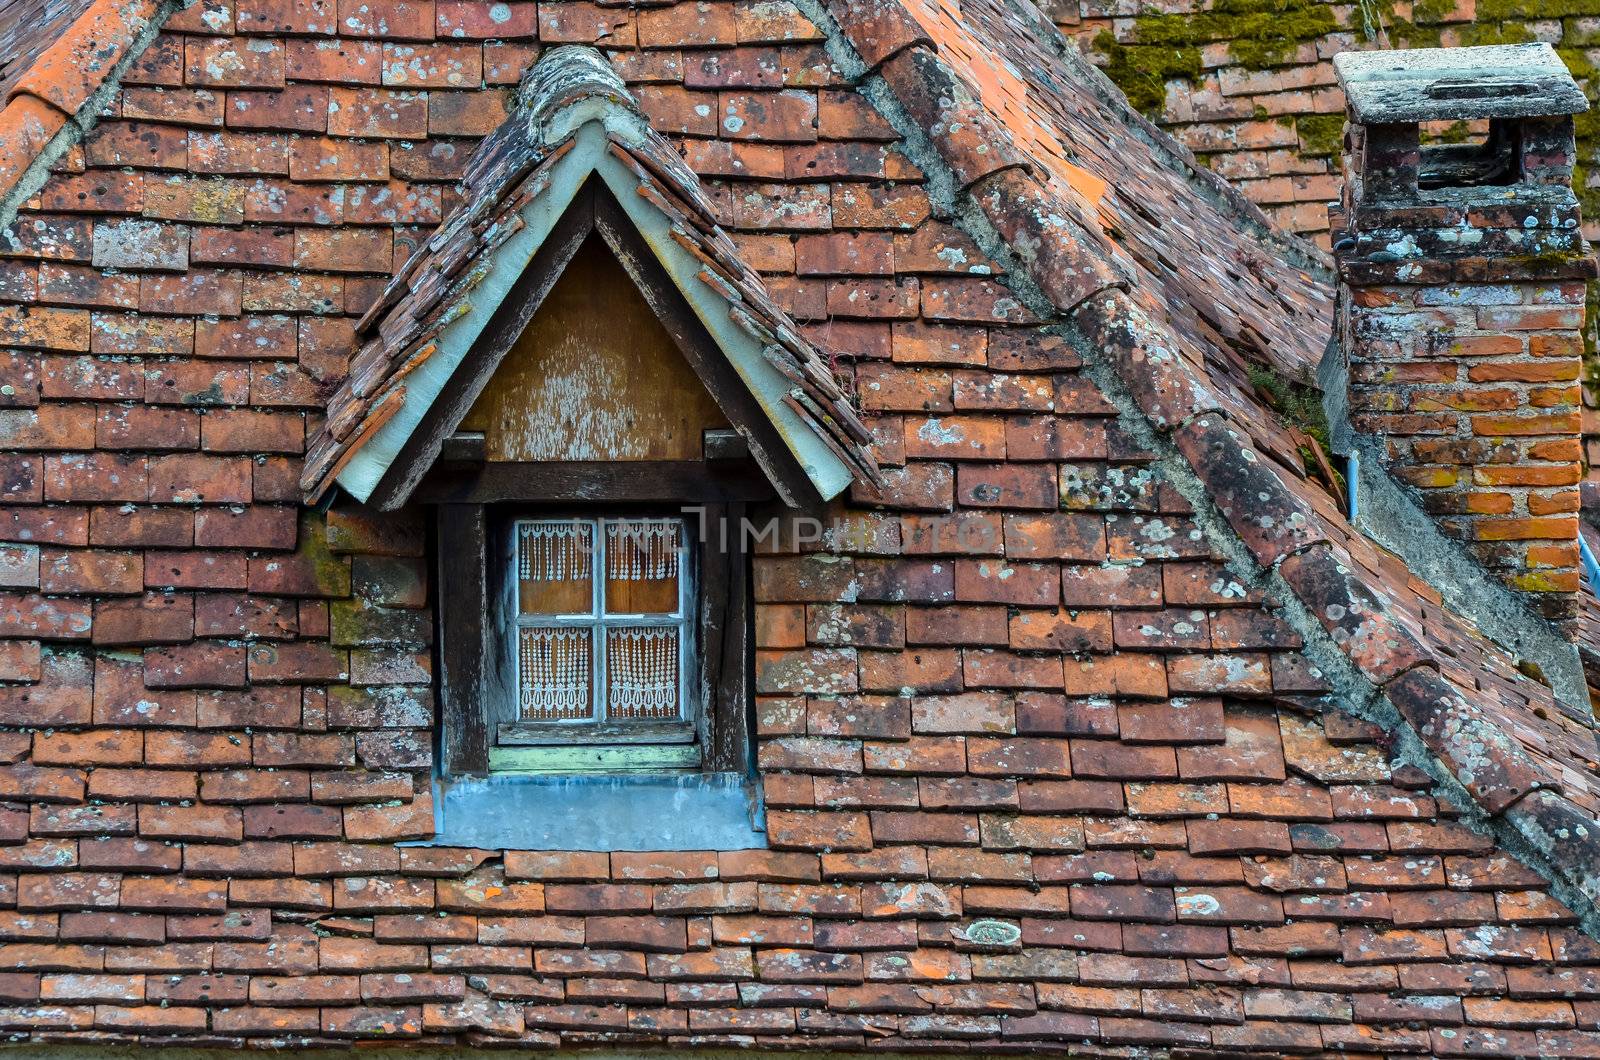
column 701, row 811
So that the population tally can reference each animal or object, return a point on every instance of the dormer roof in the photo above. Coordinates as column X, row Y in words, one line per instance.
column 574, row 121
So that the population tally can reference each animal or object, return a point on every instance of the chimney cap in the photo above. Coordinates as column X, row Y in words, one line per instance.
column 1450, row 84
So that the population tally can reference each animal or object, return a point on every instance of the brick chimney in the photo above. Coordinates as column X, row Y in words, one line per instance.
column 1462, row 307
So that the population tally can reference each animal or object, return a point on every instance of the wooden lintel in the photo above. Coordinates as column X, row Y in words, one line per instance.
column 636, row 482
column 723, row 444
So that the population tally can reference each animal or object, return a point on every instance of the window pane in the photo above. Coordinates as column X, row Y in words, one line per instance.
column 642, row 672
column 555, row 674
column 642, row 566
column 555, row 567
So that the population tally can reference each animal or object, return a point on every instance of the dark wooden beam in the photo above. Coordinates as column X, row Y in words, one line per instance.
column 626, row 482
column 463, row 448
column 725, row 642
column 463, row 607
column 721, row 444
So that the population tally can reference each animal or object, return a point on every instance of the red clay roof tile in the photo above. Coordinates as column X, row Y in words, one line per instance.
column 48, row 78
column 1224, row 291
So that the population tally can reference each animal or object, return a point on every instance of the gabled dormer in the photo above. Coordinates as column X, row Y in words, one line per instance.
column 575, row 165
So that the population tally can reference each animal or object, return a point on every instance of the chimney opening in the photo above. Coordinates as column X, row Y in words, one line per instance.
column 1492, row 158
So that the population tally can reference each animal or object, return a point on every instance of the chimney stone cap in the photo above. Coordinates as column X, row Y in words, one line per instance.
column 1453, row 84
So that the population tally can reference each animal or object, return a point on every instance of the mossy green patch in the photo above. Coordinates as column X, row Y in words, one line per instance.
column 1578, row 63
column 1504, row 33
column 1320, row 134
column 1432, row 12
column 1587, row 128
column 1300, row 406
column 1259, row 33
column 1534, row 10
column 1143, row 72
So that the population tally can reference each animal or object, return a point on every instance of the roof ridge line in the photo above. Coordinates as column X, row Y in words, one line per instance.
column 53, row 104
column 66, row 74
column 565, row 72
column 1182, row 415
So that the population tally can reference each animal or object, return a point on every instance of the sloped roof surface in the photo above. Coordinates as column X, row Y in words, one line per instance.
column 1178, row 281
column 511, row 169
column 27, row 28
column 1195, row 254
column 1202, row 256
column 1258, row 876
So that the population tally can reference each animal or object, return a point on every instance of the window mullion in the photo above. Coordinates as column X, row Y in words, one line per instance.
column 599, row 623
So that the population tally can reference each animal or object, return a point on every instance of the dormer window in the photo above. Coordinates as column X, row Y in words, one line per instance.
column 592, row 579
column 600, row 624
column 596, row 397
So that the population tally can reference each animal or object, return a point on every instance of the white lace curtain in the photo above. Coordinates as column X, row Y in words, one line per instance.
column 556, row 551
column 643, row 678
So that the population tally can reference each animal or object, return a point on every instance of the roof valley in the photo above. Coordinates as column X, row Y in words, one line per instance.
column 1269, row 535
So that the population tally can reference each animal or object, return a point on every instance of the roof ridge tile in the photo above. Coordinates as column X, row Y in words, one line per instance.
column 27, row 125
column 1363, row 626
column 68, row 72
column 1165, row 384
column 1047, row 235
column 880, row 29
column 1558, row 829
column 60, row 83
column 1268, row 517
column 1501, row 776
column 974, row 143
column 1488, row 763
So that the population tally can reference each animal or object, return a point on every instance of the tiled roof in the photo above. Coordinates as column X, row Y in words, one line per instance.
column 1036, row 142
column 54, row 55
column 511, row 170
column 1067, row 715
column 28, row 27
column 1200, row 255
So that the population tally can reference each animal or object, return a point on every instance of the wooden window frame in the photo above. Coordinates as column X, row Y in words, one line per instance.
column 600, row 620
column 741, row 468
column 476, row 668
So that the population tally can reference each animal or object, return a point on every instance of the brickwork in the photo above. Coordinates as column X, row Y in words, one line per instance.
column 1249, row 87
column 1474, row 391
column 1015, row 684
column 1465, row 361
column 1256, row 100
